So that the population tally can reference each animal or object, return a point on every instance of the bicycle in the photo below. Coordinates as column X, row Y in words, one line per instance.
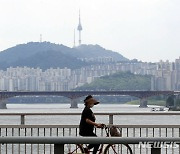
column 108, row 149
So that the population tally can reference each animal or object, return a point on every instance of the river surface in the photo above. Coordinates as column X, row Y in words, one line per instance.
column 101, row 108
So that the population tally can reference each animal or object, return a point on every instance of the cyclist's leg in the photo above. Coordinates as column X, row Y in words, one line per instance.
column 95, row 146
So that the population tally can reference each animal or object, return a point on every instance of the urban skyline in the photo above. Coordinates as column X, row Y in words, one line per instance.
column 165, row 76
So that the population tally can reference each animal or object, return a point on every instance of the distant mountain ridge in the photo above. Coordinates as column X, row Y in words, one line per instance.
column 46, row 55
column 94, row 51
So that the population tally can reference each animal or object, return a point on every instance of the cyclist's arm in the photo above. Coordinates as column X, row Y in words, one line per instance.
column 93, row 123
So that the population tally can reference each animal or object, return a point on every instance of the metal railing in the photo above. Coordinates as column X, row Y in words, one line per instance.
column 59, row 142
column 128, row 131
column 110, row 115
column 50, row 130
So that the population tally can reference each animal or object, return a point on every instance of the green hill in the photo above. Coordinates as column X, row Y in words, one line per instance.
column 46, row 55
column 120, row 81
column 94, row 51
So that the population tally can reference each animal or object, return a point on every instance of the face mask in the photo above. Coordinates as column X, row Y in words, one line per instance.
column 91, row 105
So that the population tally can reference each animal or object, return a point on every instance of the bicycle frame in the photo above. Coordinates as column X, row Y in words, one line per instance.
column 102, row 145
column 100, row 151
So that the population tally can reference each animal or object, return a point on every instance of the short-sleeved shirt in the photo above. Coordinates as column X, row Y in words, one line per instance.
column 86, row 129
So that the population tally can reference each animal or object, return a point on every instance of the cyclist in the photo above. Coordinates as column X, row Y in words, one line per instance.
column 87, row 122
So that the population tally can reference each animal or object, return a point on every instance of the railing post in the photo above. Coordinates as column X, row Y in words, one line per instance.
column 155, row 150
column 58, row 148
column 22, row 119
column 111, row 119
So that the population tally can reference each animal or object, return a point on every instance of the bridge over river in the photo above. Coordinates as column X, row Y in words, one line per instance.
column 73, row 95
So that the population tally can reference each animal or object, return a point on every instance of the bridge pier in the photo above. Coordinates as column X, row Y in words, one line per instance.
column 74, row 103
column 143, row 103
column 3, row 103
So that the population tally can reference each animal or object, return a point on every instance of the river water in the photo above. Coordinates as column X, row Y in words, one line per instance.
column 68, row 120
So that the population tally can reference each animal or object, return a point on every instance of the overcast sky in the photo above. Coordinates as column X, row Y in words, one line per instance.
column 148, row 30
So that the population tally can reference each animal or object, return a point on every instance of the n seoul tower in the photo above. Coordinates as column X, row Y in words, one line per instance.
column 79, row 28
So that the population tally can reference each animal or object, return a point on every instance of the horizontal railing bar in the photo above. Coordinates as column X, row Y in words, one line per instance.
column 77, row 126
column 116, row 113
column 39, row 126
column 86, row 140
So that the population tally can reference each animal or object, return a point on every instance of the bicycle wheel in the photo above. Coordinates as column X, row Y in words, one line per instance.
column 73, row 149
column 118, row 149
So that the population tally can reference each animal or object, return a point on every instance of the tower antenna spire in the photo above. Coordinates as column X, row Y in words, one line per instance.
column 79, row 28
column 40, row 38
column 74, row 39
